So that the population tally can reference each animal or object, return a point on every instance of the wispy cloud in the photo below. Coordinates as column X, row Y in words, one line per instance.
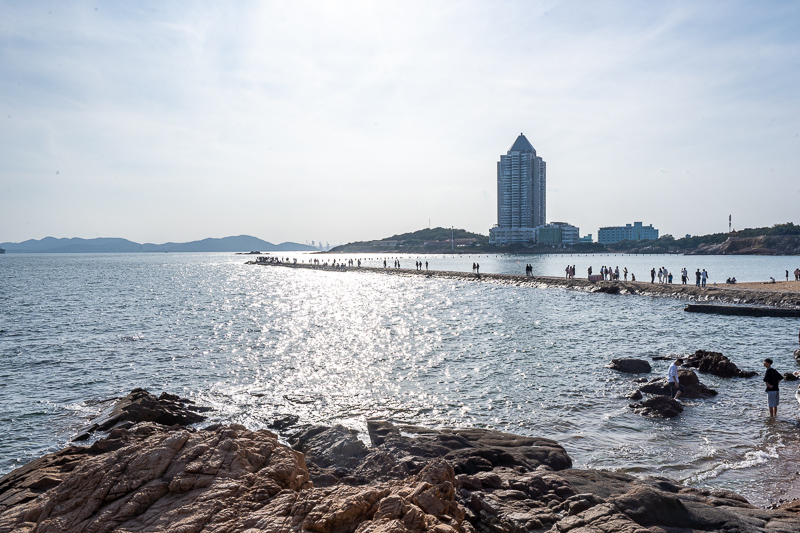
column 288, row 120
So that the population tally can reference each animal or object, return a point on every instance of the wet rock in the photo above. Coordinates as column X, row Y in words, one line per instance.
column 658, row 406
column 630, row 366
column 607, row 289
column 141, row 406
column 332, row 453
column 283, row 422
column 635, row 395
column 694, row 388
column 788, row 376
column 469, row 450
column 717, row 364
column 797, row 355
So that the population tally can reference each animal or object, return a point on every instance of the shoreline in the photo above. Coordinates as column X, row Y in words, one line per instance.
column 751, row 293
column 155, row 469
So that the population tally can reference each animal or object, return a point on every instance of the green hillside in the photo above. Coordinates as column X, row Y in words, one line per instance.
column 414, row 242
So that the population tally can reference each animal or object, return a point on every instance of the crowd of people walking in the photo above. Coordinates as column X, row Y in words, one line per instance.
column 661, row 275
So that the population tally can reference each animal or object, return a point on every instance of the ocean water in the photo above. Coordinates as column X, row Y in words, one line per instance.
column 257, row 342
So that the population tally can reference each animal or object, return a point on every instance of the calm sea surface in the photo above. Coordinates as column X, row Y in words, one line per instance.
column 260, row 342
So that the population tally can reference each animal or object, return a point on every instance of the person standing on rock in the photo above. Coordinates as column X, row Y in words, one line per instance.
column 674, row 383
column 772, row 378
column 704, row 277
column 652, row 275
column 697, row 276
column 625, row 273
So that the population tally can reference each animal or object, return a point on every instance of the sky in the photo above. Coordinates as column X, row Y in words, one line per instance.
column 350, row 120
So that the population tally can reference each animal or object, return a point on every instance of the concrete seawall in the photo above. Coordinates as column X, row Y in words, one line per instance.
column 711, row 293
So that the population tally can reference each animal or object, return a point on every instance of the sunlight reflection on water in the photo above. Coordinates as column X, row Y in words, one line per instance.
column 256, row 343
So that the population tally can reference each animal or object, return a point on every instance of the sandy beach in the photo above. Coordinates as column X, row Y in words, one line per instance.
column 778, row 286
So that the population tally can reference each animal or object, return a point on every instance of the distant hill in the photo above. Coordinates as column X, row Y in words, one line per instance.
column 424, row 240
column 241, row 243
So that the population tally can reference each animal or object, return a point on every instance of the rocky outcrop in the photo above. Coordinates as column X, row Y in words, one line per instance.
column 157, row 478
column 761, row 245
column 336, row 455
column 694, row 388
column 658, row 406
column 630, row 366
column 141, row 406
column 227, row 478
column 717, row 364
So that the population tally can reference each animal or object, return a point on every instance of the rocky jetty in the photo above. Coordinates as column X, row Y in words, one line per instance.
column 630, row 366
column 157, row 478
column 717, row 364
column 713, row 293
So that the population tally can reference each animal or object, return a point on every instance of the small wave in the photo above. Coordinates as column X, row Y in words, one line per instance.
column 751, row 459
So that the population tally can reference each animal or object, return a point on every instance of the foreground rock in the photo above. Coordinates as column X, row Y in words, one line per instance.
column 336, row 455
column 170, row 479
column 141, row 406
column 630, row 366
column 658, row 406
column 717, row 364
column 157, row 478
column 694, row 388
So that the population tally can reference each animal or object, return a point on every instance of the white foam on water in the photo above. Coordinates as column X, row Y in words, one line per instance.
column 750, row 460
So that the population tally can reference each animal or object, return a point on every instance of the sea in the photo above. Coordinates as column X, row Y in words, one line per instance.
column 257, row 343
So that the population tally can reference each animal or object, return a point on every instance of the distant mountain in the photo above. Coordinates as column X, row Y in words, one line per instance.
column 242, row 243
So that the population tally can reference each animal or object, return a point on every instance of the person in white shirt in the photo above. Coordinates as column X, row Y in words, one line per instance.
column 674, row 383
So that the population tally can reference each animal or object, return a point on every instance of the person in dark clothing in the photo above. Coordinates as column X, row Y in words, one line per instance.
column 772, row 378
column 652, row 275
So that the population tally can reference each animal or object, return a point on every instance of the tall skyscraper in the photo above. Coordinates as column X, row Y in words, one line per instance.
column 521, row 193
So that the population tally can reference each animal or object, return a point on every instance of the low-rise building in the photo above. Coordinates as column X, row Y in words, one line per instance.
column 569, row 234
column 586, row 239
column 503, row 235
column 549, row 234
column 628, row 232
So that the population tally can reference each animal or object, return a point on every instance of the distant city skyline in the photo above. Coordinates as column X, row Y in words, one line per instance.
column 343, row 122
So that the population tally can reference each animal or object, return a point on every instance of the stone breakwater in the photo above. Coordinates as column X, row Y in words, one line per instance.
column 711, row 293
column 145, row 476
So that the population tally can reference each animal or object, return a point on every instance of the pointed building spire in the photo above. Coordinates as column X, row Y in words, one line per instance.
column 522, row 145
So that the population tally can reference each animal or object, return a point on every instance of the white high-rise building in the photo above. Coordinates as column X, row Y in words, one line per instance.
column 521, row 193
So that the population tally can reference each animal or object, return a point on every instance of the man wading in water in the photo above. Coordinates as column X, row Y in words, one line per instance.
column 772, row 378
column 675, row 386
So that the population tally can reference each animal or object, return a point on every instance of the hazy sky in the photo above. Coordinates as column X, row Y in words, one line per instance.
column 340, row 121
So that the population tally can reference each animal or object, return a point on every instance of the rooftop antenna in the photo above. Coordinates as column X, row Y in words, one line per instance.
column 729, row 223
